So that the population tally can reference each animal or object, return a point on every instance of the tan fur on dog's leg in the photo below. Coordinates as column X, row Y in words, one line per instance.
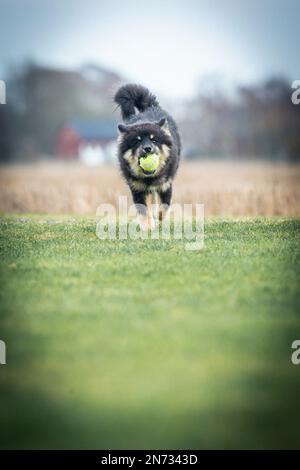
column 150, row 200
column 152, row 204
column 163, row 211
column 146, row 222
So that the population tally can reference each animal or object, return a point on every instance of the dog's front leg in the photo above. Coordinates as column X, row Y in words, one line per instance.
column 165, row 198
column 140, row 199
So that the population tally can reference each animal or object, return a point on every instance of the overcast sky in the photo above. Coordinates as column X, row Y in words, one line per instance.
column 168, row 45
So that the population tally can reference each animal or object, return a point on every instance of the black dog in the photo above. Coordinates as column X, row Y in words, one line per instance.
column 149, row 130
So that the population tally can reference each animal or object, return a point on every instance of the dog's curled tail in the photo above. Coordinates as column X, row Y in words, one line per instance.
column 130, row 96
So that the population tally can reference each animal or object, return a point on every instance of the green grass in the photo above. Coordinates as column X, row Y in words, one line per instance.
column 141, row 344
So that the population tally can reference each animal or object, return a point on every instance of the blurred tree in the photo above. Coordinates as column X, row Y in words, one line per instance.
column 259, row 122
column 42, row 99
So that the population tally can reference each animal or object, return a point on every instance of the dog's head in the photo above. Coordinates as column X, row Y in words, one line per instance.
column 140, row 139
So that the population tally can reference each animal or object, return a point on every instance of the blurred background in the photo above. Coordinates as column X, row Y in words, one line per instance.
column 224, row 70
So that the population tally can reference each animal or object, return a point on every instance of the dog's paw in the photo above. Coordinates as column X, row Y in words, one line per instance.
column 146, row 222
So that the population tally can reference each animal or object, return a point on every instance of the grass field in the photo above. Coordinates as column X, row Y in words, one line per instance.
column 141, row 344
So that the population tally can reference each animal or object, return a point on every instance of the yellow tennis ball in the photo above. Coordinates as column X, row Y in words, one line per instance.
column 150, row 162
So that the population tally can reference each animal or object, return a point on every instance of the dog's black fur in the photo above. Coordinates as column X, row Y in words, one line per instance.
column 149, row 130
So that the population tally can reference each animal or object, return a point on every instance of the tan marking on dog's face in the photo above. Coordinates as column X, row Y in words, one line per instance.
column 164, row 154
column 128, row 155
column 132, row 159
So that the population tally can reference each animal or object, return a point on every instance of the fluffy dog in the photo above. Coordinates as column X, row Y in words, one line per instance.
column 147, row 129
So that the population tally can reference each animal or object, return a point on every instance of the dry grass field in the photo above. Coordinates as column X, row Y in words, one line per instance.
column 226, row 189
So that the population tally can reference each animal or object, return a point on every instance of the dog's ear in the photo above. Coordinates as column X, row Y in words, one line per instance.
column 122, row 128
column 163, row 124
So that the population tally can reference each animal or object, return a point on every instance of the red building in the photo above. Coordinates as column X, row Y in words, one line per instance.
column 82, row 133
